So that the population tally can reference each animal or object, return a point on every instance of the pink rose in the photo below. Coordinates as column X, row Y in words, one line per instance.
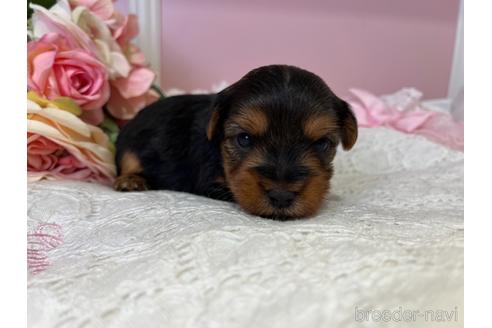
column 103, row 9
column 47, row 159
column 54, row 69
column 127, row 31
column 126, row 108
column 41, row 153
column 82, row 28
column 62, row 146
column 132, row 93
column 108, row 50
column 58, row 19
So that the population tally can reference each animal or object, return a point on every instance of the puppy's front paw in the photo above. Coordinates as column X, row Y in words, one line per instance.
column 130, row 183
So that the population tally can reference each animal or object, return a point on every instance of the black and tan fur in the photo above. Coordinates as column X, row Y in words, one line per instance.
column 266, row 142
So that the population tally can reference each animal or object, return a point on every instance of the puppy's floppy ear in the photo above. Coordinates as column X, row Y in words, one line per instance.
column 347, row 123
column 220, row 109
column 212, row 124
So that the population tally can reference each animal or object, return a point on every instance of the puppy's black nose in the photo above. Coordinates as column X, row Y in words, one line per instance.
column 281, row 198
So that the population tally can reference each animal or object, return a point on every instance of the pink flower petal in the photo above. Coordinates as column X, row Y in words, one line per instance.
column 136, row 56
column 118, row 24
column 130, row 30
column 94, row 117
column 41, row 65
column 102, row 8
column 137, row 83
column 126, row 109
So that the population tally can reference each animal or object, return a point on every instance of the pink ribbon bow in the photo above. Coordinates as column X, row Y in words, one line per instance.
column 438, row 127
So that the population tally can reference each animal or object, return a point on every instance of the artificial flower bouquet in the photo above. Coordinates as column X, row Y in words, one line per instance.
column 85, row 79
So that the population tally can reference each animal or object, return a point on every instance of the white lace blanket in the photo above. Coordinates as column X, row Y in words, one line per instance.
column 389, row 237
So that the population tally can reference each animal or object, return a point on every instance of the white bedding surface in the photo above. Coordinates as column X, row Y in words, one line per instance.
column 389, row 236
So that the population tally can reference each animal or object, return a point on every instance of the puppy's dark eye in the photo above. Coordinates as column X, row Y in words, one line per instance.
column 322, row 145
column 244, row 140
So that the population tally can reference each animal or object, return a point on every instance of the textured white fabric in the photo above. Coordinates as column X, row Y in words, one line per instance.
column 390, row 236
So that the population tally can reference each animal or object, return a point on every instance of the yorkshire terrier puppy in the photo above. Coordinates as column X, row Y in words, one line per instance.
column 266, row 142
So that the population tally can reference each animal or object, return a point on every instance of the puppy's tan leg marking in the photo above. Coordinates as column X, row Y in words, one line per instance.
column 129, row 179
column 130, row 164
column 131, row 182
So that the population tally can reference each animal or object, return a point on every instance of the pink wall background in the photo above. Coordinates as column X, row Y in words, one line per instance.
column 378, row 45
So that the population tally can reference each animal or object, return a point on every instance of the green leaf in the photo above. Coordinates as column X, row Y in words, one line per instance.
column 67, row 104
column 109, row 125
column 111, row 129
column 158, row 90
